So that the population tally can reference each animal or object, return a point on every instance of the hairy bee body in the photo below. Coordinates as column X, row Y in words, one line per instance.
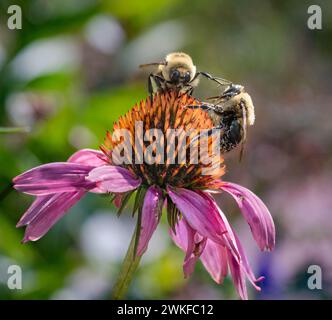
column 231, row 112
column 237, row 103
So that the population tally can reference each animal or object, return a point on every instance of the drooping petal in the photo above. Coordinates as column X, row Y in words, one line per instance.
column 36, row 207
column 256, row 214
column 246, row 266
column 53, row 178
column 198, row 213
column 151, row 211
column 180, row 236
column 228, row 237
column 214, row 259
column 47, row 212
column 238, row 276
column 89, row 157
column 236, row 257
column 189, row 241
column 58, row 187
column 114, row 179
column 241, row 267
column 240, row 271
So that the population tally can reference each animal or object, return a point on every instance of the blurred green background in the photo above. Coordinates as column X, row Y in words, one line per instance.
column 73, row 69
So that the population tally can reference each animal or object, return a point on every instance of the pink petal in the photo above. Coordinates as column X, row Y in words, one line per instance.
column 228, row 237
column 189, row 241
column 234, row 248
column 256, row 214
column 47, row 212
column 150, row 217
column 239, row 265
column 214, row 259
column 238, row 276
column 246, row 266
column 37, row 206
column 114, row 179
column 240, row 271
column 89, row 157
column 180, row 236
column 53, row 178
column 58, row 186
column 198, row 213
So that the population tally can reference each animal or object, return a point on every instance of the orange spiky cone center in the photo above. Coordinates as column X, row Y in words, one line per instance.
column 168, row 111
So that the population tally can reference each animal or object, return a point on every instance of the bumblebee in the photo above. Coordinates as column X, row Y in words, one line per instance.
column 176, row 72
column 232, row 112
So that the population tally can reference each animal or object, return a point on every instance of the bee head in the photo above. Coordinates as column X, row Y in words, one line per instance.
column 237, row 87
column 178, row 68
column 233, row 90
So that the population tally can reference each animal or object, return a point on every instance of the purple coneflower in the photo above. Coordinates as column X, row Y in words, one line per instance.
column 197, row 224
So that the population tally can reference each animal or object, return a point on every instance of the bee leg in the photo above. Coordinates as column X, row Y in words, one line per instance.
column 154, row 84
column 220, row 81
column 201, row 106
column 150, row 87
column 189, row 91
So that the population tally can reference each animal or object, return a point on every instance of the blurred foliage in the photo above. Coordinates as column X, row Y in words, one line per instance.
column 68, row 87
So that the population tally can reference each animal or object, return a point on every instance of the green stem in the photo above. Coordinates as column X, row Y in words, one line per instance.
column 128, row 268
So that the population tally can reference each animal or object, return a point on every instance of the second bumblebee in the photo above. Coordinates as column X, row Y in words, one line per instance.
column 231, row 112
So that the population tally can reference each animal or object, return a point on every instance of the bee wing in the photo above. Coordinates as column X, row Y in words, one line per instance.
column 144, row 65
column 245, row 121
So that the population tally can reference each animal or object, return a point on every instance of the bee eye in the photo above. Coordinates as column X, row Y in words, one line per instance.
column 187, row 76
column 175, row 75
